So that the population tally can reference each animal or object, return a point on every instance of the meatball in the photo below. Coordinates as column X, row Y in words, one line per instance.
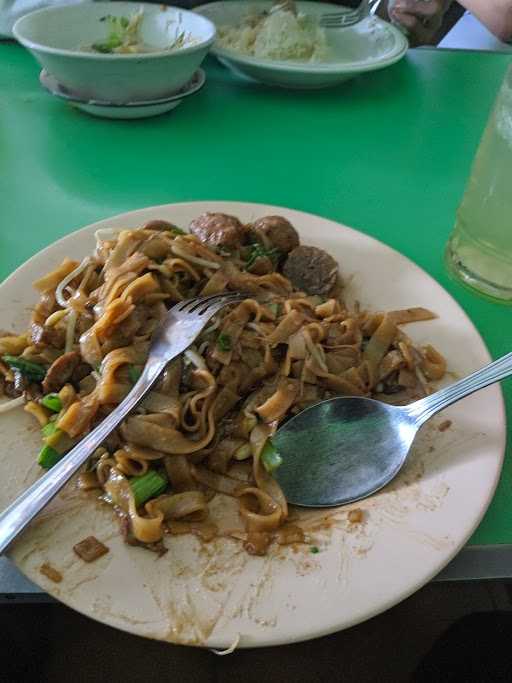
column 219, row 230
column 277, row 232
column 311, row 270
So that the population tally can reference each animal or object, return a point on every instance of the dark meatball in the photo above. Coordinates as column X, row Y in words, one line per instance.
column 219, row 230
column 276, row 231
column 311, row 270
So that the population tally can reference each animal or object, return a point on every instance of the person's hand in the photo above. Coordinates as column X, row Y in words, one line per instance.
column 421, row 18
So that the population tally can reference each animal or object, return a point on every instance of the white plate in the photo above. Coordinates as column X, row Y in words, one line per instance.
column 369, row 45
column 129, row 110
column 212, row 594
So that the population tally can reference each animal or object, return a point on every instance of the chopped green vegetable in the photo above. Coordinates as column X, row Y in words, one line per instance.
column 48, row 457
column 52, row 402
column 273, row 308
column 107, row 46
column 134, row 373
column 123, row 35
column 122, row 31
column 177, row 231
column 257, row 250
column 224, row 342
column 98, row 368
column 149, row 485
column 270, row 458
column 49, row 429
column 32, row 371
column 314, row 549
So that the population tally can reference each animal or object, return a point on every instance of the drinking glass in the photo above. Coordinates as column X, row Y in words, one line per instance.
column 479, row 251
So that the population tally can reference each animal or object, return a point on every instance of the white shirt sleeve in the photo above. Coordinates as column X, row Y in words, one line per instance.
column 470, row 34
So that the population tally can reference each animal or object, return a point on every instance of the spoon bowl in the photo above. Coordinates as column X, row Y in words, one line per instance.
column 324, row 443
column 345, row 449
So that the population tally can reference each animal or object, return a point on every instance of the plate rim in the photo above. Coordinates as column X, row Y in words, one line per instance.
column 268, row 639
column 194, row 85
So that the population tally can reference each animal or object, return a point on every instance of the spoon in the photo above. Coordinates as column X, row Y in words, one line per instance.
column 345, row 449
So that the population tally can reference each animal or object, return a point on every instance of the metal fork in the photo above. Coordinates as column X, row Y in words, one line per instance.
column 349, row 17
column 181, row 326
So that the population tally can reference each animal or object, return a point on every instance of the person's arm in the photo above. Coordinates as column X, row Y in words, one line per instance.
column 495, row 14
column 421, row 18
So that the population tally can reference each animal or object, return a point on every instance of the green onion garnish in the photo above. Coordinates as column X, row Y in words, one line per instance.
column 49, row 429
column 149, row 485
column 273, row 308
column 224, row 342
column 176, row 231
column 48, row 457
column 314, row 549
column 32, row 371
column 107, row 46
column 52, row 402
column 257, row 250
column 270, row 457
column 134, row 373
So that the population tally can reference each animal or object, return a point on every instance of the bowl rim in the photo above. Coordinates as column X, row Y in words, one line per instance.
column 81, row 54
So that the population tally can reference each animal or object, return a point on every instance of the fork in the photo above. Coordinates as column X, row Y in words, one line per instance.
column 179, row 329
column 350, row 17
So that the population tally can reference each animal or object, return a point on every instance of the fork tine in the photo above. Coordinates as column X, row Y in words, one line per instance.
column 342, row 19
column 189, row 305
column 211, row 307
column 339, row 23
column 338, row 15
column 192, row 305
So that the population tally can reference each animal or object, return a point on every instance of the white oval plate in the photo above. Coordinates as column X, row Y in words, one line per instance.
column 369, row 45
column 214, row 593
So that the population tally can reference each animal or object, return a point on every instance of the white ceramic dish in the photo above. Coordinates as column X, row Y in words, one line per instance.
column 372, row 44
column 130, row 110
column 55, row 34
column 212, row 594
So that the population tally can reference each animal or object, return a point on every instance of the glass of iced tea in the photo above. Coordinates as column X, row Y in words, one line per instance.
column 479, row 252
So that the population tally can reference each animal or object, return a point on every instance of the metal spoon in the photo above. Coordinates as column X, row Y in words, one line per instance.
column 345, row 449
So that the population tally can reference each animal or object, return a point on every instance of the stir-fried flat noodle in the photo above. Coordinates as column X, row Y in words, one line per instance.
column 283, row 348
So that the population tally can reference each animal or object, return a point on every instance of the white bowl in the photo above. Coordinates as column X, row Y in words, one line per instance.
column 371, row 44
column 55, row 35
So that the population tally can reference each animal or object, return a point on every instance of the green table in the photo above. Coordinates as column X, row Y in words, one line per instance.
column 387, row 153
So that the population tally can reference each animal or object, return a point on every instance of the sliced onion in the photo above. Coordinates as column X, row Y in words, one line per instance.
column 59, row 292
column 70, row 330
column 195, row 359
column 106, row 234
column 194, row 259
column 213, row 327
column 228, row 650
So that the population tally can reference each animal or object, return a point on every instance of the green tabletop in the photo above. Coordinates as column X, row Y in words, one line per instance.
column 387, row 153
